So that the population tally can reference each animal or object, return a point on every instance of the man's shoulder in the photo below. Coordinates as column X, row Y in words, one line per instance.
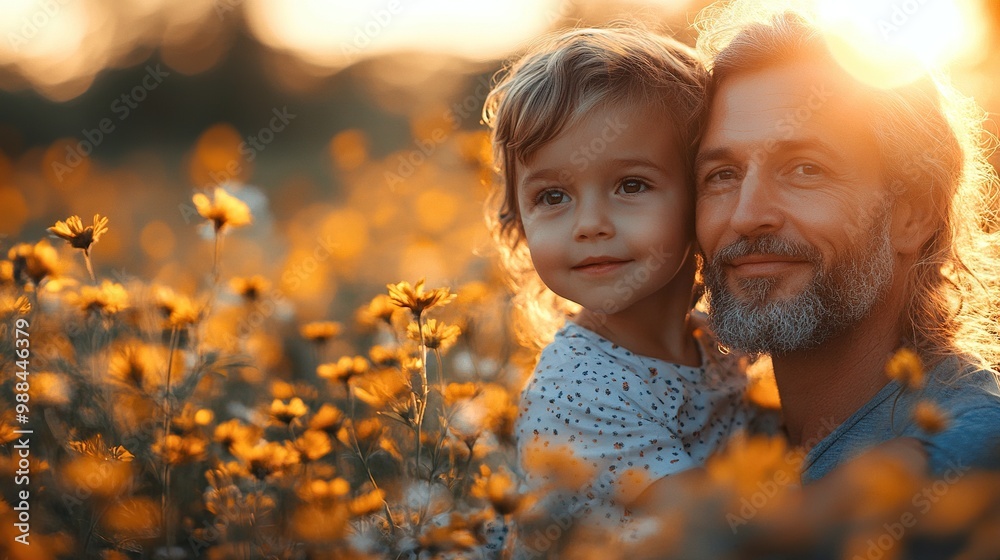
column 955, row 414
column 957, row 384
column 957, row 417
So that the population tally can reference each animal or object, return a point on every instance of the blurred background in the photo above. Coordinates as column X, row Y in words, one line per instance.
column 352, row 129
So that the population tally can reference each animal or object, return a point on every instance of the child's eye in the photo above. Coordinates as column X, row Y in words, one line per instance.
column 632, row 186
column 551, row 197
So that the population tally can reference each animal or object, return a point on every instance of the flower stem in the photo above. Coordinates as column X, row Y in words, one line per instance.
column 215, row 259
column 364, row 459
column 440, row 364
column 90, row 266
column 165, row 505
column 424, row 391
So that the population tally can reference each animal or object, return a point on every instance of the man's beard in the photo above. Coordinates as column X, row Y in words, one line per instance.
column 835, row 298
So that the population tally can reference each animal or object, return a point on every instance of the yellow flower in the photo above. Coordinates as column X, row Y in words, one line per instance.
column 929, row 417
column 345, row 369
column 379, row 388
column 382, row 357
column 439, row 539
column 177, row 450
column 367, row 430
column 233, row 432
column 497, row 407
column 313, row 445
column 178, row 310
column 436, row 334
column 223, row 209
column 6, row 272
column 416, row 299
column 109, row 298
column 745, row 461
column 50, row 389
column 320, row 331
column 455, row 392
column 10, row 305
column 96, row 448
column 379, row 309
column 80, row 237
column 7, row 428
column 133, row 365
column 367, row 503
column 319, row 525
column 191, row 418
column 762, row 387
column 267, row 458
column 250, row 288
column 558, row 464
column 499, row 488
column 328, row 418
column 35, row 262
column 905, row 366
column 286, row 413
column 119, row 453
column 103, row 478
column 317, row 490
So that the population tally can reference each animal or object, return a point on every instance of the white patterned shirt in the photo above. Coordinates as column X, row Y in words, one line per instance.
column 630, row 418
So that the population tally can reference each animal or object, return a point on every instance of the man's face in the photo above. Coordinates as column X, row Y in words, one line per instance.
column 792, row 214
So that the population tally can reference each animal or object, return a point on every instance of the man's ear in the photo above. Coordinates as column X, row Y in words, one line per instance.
column 914, row 221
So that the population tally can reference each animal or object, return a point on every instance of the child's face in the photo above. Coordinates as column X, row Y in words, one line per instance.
column 607, row 214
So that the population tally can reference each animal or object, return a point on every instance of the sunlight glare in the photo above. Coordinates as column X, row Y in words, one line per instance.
column 891, row 42
column 334, row 35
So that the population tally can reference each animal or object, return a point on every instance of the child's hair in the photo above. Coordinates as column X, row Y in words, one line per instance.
column 559, row 80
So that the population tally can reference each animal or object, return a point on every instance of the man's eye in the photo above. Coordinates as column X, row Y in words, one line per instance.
column 722, row 175
column 633, row 186
column 808, row 169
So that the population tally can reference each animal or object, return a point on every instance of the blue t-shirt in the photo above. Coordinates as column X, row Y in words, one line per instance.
column 970, row 400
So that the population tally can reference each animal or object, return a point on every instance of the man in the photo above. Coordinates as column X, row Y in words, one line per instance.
column 841, row 222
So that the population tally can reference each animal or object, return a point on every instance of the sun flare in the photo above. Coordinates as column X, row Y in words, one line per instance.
column 891, row 42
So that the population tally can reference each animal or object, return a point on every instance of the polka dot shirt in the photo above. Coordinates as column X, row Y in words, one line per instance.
column 630, row 419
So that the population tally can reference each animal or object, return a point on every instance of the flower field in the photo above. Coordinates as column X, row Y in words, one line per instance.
column 250, row 307
column 142, row 421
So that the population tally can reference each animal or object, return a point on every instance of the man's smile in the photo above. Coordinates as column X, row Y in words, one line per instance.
column 765, row 265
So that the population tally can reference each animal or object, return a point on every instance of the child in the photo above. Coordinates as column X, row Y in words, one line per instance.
column 594, row 134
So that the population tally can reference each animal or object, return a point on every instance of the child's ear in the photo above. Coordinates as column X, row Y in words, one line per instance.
column 914, row 221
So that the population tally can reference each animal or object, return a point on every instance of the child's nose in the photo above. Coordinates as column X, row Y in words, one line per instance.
column 592, row 221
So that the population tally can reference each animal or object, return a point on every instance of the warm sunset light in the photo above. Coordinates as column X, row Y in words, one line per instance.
column 490, row 279
column 337, row 34
column 888, row 42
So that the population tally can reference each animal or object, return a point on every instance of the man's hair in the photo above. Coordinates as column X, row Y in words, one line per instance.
column 559, row 80
column 931, row 143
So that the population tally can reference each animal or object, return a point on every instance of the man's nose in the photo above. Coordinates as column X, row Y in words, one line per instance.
column 757, row 210
column 592, row 220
